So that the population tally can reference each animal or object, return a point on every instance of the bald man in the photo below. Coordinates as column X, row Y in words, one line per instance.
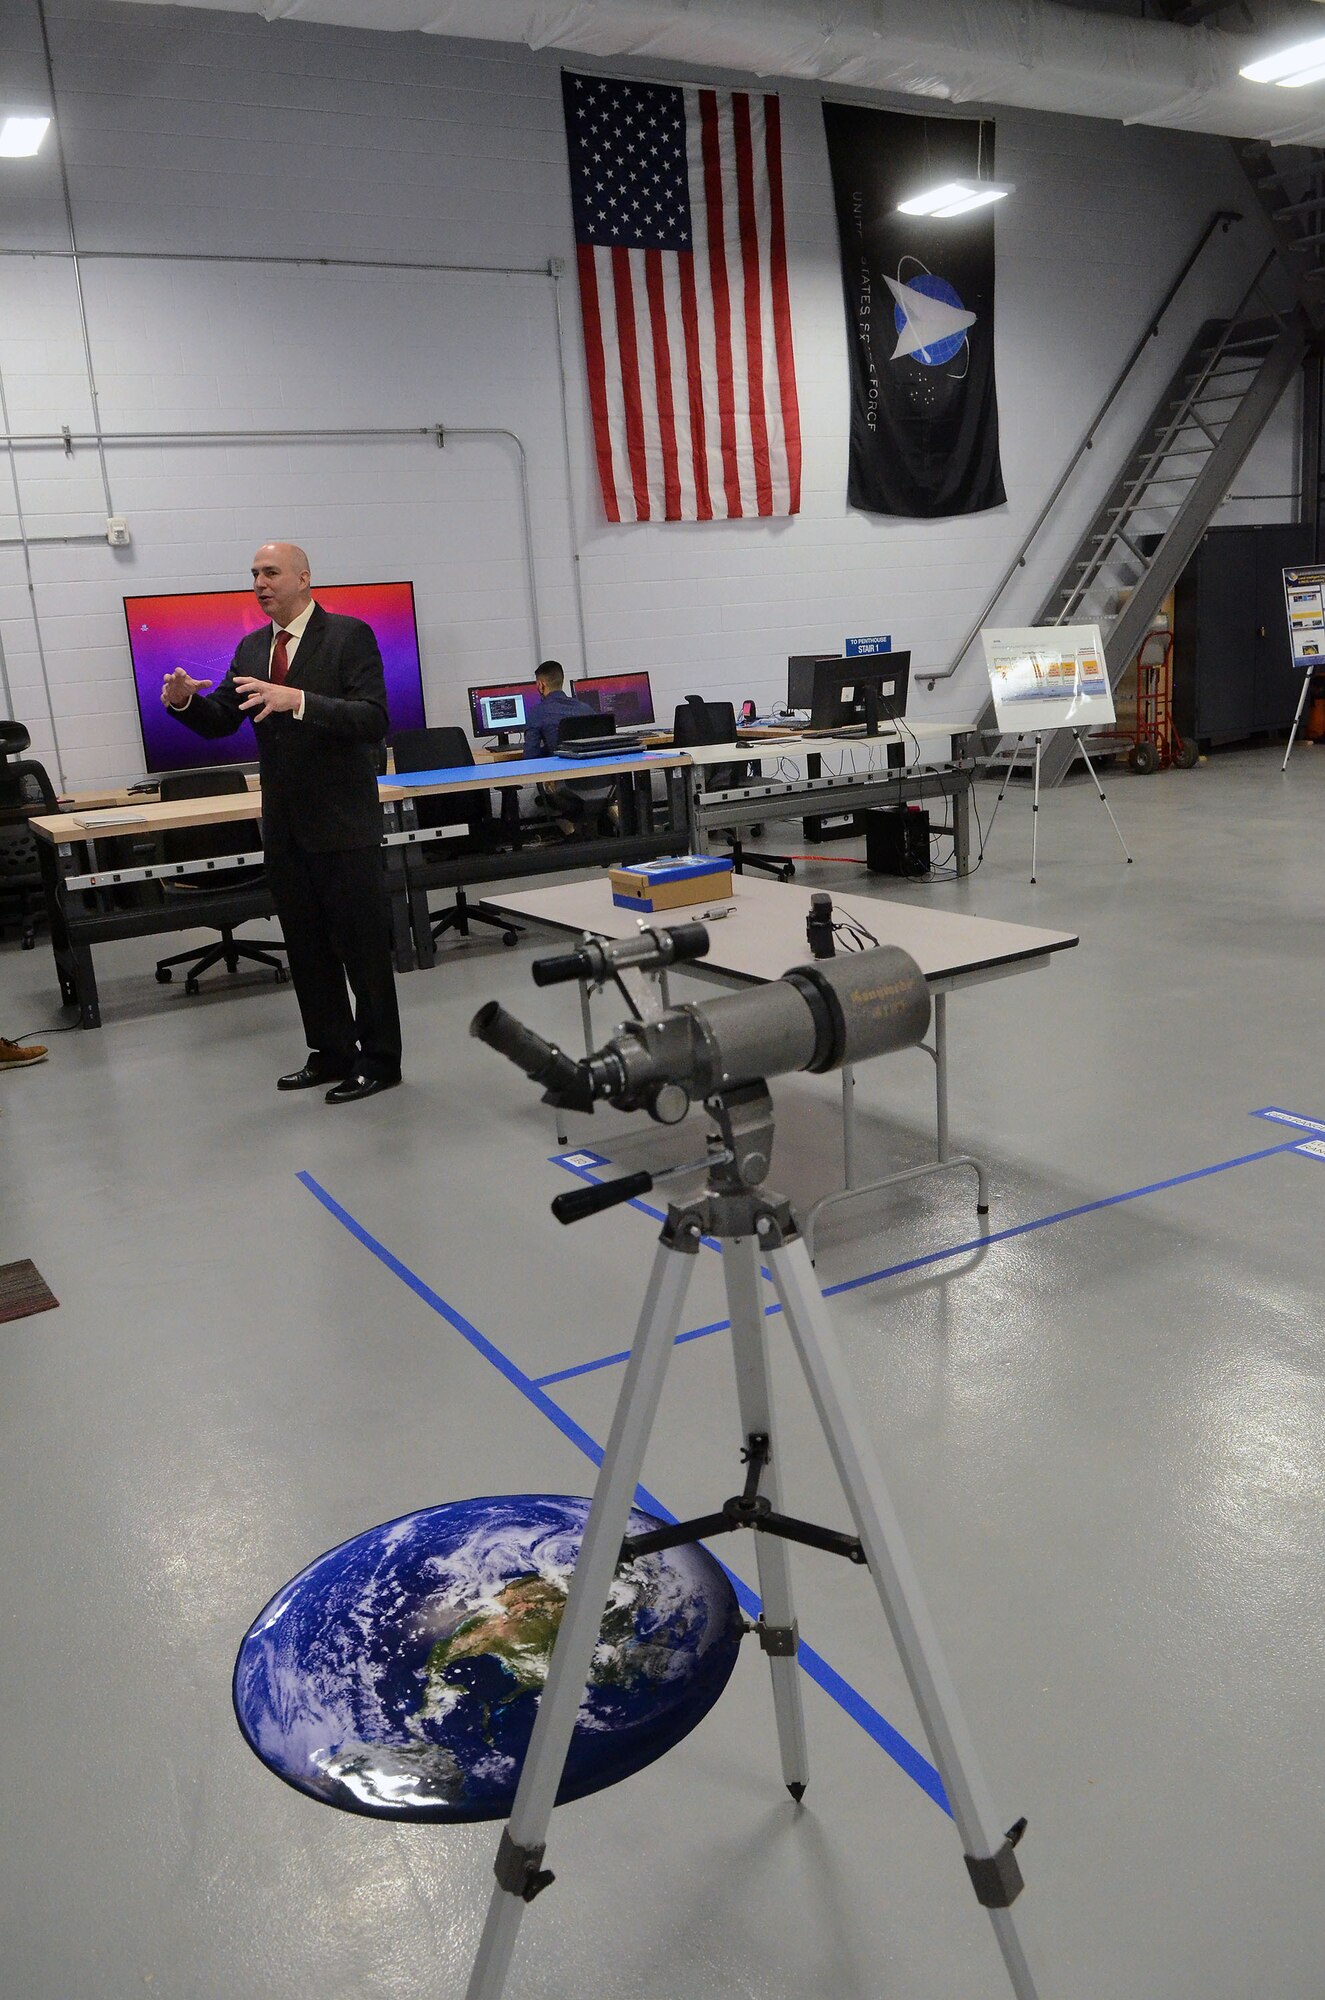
column 311, row 683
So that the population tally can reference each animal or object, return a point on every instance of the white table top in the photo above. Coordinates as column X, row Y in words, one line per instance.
column 847, row 753
column 765, row 934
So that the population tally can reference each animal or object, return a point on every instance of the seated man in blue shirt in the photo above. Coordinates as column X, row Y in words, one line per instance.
column 573, row 803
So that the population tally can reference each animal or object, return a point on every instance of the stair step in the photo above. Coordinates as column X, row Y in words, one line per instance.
column 1315, row 206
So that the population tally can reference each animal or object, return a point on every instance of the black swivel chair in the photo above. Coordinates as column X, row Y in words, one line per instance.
column 24, row 785
column 203, row 843
column 596, row 795
column 702, row 722
column 446, row 750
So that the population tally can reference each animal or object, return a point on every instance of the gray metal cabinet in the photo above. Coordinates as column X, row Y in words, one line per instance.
column 1233, row 675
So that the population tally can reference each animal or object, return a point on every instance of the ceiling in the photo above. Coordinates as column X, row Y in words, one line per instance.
column 1170, row 63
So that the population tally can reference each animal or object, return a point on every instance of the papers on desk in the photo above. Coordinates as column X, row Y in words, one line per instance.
column 122, row 820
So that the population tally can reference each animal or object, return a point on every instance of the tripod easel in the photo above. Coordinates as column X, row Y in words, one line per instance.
column 751, row 1227
column 1307, row 679
column 1035, row 801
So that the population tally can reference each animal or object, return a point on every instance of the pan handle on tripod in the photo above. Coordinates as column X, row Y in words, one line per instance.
column 576, row 1203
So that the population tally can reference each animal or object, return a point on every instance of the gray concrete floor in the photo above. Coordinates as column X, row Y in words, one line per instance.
column 1104, row 1437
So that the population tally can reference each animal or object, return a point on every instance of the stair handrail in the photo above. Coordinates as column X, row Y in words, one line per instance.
column 1221, row 220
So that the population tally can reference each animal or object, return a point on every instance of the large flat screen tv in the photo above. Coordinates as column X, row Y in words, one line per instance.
column 200, row 629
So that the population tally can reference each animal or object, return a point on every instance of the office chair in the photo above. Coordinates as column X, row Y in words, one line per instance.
column 597, row 794
column 201, row 843
column 24, row 785
column 445, row 750
column 701, row 722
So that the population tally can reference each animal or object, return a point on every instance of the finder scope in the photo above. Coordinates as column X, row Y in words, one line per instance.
column 599, row 959
column 815, row 1017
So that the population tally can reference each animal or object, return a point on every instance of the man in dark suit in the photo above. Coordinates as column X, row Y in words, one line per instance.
column 312, row 684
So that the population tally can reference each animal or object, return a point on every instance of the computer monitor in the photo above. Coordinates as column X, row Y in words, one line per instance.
column 628, row 697
column 800, row 677
column 869, row 690
column 199, row 630
column 502, row 709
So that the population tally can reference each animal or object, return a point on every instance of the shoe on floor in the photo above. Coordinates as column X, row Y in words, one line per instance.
column 357, row 1085
column 317, row 1070
column 13, row 1055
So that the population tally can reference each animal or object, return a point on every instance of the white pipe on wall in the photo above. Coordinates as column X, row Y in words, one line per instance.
column 1036, row 54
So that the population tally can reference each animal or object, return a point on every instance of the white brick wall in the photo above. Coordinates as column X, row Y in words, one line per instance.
column 223, row 134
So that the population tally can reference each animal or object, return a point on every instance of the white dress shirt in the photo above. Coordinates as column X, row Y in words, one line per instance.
column 295, row 629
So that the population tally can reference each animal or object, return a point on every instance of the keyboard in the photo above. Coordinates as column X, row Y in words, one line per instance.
column 598, row 746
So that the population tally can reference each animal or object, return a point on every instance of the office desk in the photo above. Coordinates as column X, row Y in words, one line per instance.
column 764, row 936
column 101, row 864
column 859, row 775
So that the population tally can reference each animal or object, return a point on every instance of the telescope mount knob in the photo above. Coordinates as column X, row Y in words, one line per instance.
column 670, row 1104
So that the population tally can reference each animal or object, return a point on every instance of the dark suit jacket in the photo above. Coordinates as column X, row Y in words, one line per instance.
column 319, row 776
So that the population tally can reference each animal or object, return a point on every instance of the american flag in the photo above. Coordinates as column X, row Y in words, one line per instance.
column 679, row 236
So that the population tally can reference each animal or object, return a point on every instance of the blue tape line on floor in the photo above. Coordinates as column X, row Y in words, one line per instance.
column 903, row 1753
column 1278, row 1116
column 1061, row 1215
column 973, row 1243
column 614, row 1360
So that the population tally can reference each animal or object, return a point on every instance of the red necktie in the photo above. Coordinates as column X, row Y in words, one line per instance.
column 280, row 660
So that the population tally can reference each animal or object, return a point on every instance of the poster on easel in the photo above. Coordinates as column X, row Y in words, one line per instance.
column 1304, row 601
column 1047, row 677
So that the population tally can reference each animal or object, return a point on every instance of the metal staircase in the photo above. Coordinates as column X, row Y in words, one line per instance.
column 1201, row 429
column 1289, row 185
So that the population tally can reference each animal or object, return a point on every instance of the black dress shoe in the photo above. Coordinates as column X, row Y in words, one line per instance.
column 313, row 1073
column 358, row 1085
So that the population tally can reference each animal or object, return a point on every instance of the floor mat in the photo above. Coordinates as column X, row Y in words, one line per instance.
column 23, row 1290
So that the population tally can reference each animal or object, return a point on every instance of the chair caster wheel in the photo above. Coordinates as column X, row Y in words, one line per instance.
column 508, row 938
column 789, row 871
column 29, row 944
column 282, row 976
column 164, row 975
column 190, row 986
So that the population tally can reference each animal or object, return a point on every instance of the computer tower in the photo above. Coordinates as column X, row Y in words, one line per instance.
column 896, row 840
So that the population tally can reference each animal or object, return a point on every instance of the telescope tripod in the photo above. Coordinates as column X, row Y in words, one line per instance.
column 751, row 1227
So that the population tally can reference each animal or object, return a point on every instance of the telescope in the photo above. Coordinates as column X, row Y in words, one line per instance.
column 815, row 1017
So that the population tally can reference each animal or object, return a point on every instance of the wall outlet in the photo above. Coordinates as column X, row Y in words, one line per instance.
column 117, row 531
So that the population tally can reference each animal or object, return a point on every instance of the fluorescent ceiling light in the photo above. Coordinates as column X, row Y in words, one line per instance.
column 20, row 137
column 955, row 198
column 1303, row 63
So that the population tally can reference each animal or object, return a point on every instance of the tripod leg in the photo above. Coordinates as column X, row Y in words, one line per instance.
column 1035, row 811
column 519, row 1861
column 1085, row 756
column 1297, row 719
column 740, row 1257
column 836, row 1402
column 1007, row 780
column 848, row 1124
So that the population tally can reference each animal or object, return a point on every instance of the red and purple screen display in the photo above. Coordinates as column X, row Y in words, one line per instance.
column 199, row 631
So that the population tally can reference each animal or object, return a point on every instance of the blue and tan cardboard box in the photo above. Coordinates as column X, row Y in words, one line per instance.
column 671, row 883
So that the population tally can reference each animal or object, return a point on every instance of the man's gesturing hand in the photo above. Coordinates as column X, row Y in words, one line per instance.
column 259, row 699
column 179, row 688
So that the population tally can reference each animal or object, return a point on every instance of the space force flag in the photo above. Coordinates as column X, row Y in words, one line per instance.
column 682, row 260
column 920, row 316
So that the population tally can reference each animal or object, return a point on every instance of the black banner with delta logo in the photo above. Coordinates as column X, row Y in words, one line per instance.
column 920, row 315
